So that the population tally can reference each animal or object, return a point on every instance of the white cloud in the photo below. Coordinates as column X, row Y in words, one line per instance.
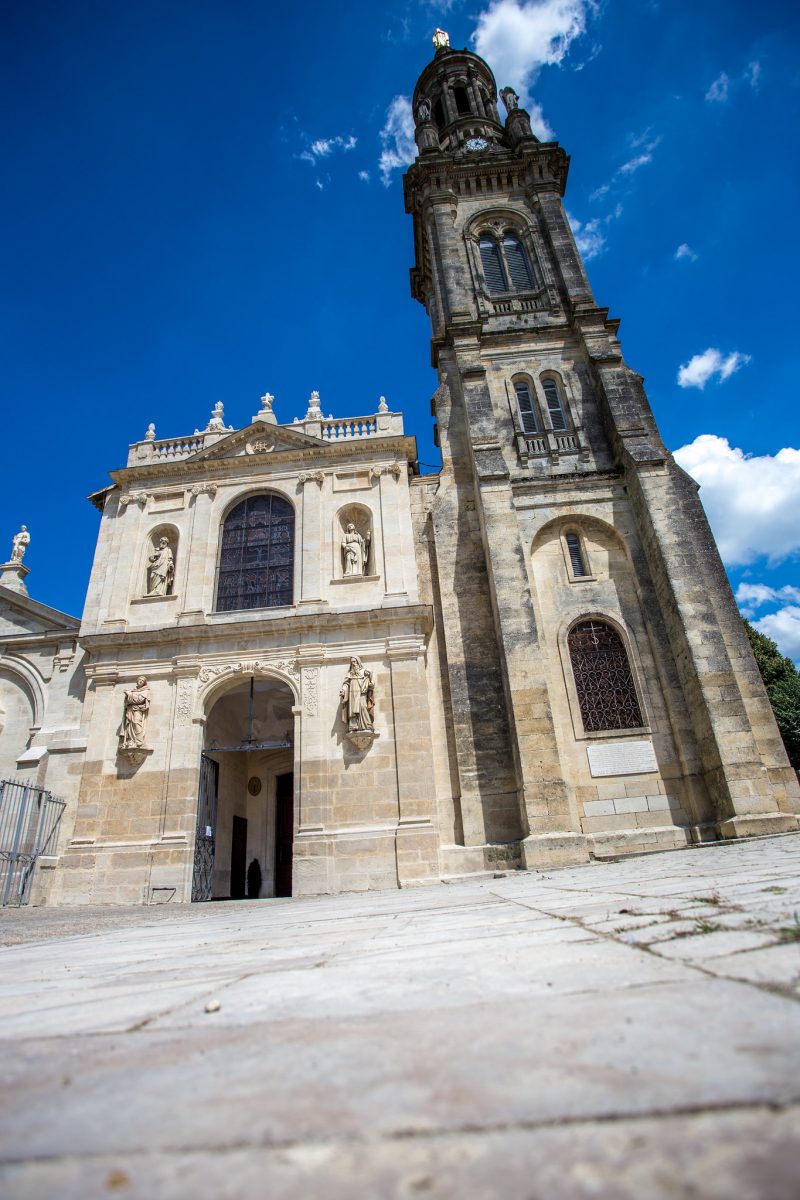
column 752, row 596
column 752, row 501
column 589, row 236
column 397, row 139
column 685, row 251
column 633, row 164
column 752, row 74
column 364, row 175
column 322, row 147
column 720, row 89
column 600, row 192
column 518, row 37
column 783, row 627
column 702, row 367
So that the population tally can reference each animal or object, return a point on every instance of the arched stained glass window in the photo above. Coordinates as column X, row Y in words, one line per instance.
column 576, row 555
column 603, row 679
column 527, row 408
column 555, row 406
column 492, row 261
column 517, row 263
column 256, row 565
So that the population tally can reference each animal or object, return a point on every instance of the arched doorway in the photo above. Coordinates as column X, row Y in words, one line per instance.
column 245, row 814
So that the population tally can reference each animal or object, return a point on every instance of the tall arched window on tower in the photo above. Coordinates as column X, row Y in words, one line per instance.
column 603, row 679
column 492, row 262
column 526, row 406
column 256, row 564
column 555, row 405
column 519, row 270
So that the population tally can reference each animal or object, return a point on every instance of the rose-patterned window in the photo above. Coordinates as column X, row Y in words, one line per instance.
column 256, row 564
column 603, row 678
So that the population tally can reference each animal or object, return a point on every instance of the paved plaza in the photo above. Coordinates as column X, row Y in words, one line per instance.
column 622, row 1029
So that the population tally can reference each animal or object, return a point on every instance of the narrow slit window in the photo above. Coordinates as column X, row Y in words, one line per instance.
column 555, row 406
column 576, row 556
column 527, row 409
column 517, row 263
column 492, row 263
column 603, row 679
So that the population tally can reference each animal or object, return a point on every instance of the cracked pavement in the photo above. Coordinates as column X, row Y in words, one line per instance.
column 621, row 1029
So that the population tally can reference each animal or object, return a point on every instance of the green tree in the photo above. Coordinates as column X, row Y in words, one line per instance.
column 782, row 681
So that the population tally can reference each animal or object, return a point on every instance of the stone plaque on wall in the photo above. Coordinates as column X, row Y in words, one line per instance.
column 622, row 758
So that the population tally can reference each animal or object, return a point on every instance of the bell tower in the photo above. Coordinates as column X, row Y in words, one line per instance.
column 567, row 540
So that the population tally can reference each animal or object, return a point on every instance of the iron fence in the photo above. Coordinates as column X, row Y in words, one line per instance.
column 29, row 818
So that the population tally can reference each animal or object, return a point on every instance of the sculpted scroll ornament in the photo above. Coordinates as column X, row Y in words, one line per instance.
column 284, row 666
column 183, row 708
column 133, row 498
column 311, row 691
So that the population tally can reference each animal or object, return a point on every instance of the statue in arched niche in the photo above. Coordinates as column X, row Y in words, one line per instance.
column 161, row 569
column 355, row 551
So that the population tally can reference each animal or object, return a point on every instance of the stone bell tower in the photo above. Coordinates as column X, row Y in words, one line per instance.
column 604, row 697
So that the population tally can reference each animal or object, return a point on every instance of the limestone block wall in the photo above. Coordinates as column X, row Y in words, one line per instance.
column 624, row 811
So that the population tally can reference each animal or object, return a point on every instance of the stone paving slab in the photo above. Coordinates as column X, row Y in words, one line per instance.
column 497, row 1037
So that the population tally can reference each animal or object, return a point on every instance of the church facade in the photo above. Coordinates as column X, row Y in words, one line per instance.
column 304, row 667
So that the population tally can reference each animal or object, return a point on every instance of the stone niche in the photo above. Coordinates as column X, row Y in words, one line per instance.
column 354, row 549
column 147, row 580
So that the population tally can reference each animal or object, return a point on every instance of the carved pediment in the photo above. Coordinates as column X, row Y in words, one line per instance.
column 261, row 439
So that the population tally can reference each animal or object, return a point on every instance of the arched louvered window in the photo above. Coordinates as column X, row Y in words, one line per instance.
column 492, row 262
column 462, row 101
column 575, row 551
column 555, row 406
column 517, row 263
column 256, row 564
column 527, row 408
column 603, row 679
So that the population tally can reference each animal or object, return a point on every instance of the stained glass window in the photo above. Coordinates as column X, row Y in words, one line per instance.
column 256, row 565
column 606, row 694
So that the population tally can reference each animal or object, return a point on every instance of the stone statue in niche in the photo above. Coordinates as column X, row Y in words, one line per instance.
column 134, row 718
column 357, row 695
column 161, row 570
column 355, row 551
column 19, row 544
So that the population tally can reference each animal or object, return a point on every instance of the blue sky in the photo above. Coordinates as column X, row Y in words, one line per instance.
column 202, row 201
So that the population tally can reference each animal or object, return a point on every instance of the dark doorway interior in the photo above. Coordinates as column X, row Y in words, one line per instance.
column 284, row 833
column 239, row 858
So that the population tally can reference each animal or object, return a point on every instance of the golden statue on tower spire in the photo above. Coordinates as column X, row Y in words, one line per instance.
column 441, row 40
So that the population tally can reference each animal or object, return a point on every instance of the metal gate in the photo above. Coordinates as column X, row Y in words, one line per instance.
column 204, row 839
column 29, row 818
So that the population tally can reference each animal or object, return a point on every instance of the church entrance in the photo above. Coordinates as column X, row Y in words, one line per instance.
column 246, row 812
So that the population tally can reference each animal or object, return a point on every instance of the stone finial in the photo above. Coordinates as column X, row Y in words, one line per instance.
column 441, row 40
column 150, row 436
column 382, row 405
column 217, row 421
column 266, row 413
column 19, row 544
column 510, row 98
column 314, row 411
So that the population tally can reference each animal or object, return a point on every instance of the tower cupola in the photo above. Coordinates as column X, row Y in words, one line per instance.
column 455, row 101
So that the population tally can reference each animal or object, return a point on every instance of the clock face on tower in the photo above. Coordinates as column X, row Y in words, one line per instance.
column 476, row 143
